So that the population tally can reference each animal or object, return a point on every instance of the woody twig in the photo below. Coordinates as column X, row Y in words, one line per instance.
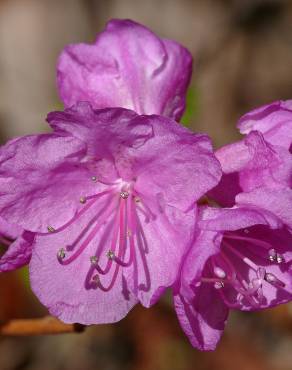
column 43, row 326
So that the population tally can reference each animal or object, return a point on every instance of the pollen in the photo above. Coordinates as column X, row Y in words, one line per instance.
column 50, row 229
column 110, row 254
column 61, row 254
column 93, row 260
column 124, row 194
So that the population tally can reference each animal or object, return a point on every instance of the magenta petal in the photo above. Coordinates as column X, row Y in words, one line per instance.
column 203, row 318
column 257, row 162
column 250, row 164
column 166, row 159
column 176, row 157
column 42, row 180
column 277, row 202
column 201, row 312
column 8, row 230
column 273, row 120
column 160, row 246
column 129, row 67
column 224, row 219
column 18, row 253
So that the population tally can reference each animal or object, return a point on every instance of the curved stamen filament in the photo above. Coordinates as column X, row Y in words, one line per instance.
column 113, row 244
column 89, row 225
column 90, row 237
column 260, row 243
column 5, row 241
column 142, row 246
column 238, row 279
column 241, row 256
column 121, row 229
column 77, row 215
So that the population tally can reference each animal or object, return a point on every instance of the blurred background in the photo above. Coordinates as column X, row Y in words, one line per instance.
column 242, row 58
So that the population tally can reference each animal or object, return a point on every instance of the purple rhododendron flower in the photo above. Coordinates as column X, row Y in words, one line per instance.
column 18, row 243
column 111, row 197
column 128, row 66
column 241, row 259
column 273, row 120
column 256, row 173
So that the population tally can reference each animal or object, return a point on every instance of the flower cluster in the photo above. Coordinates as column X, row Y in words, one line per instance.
column 105, row 209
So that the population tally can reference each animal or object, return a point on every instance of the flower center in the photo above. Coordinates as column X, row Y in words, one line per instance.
column 244, row 267
column 116, row 229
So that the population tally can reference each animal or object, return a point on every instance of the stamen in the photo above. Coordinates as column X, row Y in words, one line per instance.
column 280, row 259
column 260, row 243
column 5, row 241
column 95, row 279
column 101, row 217
column 219, row 285
column 237, row 281
column 272, row 255
column 93, row 260
column 272, row 279
column 61, row 254
column 241, row 256
column 110, row 254
column 219, row 272
column 124, row 194
column 51, row 229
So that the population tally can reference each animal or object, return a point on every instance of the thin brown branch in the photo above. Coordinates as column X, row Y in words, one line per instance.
column 43, row 326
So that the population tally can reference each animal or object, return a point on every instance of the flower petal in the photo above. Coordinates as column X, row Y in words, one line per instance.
column 227, row 219
column 277, row 202
column 200, row 310
column 42, row 180
column 8, row 230
column 202, row 319
column 129, row 67
column 273, row 120
column 18, row 253
column 249, row 164
column 176, row 163
column 163, row 156
column 160, row 246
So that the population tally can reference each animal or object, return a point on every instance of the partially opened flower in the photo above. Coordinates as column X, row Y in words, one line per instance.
column 17, row 244
column 256, row 173
column 273, row 120
column 111, row 197
column 128, row 66
column 241, row 259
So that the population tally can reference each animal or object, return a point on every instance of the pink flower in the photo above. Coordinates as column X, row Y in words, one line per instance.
column 241, row 259
column 241, row 256
column 128, row 66
column 111, row 197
